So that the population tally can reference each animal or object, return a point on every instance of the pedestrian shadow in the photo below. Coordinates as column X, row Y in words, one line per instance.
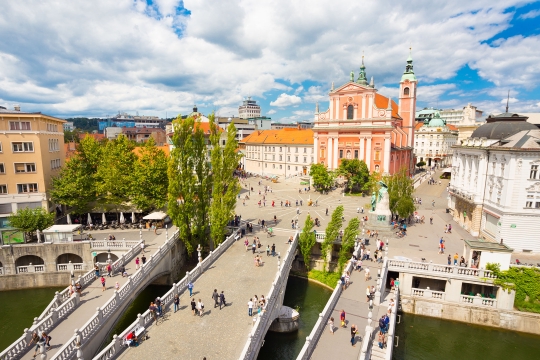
column 86, row 300
column 195, row 293
column 52, row 347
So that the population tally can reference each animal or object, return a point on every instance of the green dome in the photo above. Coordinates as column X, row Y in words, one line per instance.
column 436, row 122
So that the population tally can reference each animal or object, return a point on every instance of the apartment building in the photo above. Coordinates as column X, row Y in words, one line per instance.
column 31, row 153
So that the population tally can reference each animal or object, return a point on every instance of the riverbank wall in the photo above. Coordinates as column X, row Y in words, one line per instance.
column 476, row 315
column 37, row 280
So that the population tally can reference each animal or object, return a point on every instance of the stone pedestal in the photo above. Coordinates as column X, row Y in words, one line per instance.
column 286, row 322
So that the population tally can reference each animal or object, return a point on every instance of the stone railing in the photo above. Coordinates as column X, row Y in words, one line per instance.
column 114, row 349
column 478, row 300
column 113, row 244
column 318, row 328
column 30, row 269
column 428, row 293
column 256, row 336
column 60, row 307
column 392, row 326
column 438, row 269
column 69, row 267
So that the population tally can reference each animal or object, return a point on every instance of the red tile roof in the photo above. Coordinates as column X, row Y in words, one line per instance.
column 382, row 103
column 282, row 136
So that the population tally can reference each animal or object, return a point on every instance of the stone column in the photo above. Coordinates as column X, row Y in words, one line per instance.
column 315, row 148
column 387, row 150
column 336, row 153
column 329, row 152
column 368, row 153
column 362, row 146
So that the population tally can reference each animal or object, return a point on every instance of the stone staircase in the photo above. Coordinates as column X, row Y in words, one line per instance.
column 376, row 352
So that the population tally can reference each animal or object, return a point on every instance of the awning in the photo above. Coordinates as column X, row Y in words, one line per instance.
column 158, row 215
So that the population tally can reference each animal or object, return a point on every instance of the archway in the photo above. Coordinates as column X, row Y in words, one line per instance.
column 66, row 258
column 29, row 259
column 103, row 257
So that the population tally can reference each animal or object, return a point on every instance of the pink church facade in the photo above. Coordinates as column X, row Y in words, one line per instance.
column 362, row 124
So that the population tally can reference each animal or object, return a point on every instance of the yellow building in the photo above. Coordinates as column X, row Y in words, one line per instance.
column 31, row 153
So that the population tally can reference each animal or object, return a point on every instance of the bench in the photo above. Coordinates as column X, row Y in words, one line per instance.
column 139, row 332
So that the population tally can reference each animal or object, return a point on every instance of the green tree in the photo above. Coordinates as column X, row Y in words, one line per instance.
column 307, row 240
column 190, row 183
column 400, row 193
column 322, row 178
column 347, row 243
column 30, row 220
column 355, row 172
column 226, row 187
column 115, row 172
column 149, row 180
column 75, row 187
column 420, row 164
column 332, row 232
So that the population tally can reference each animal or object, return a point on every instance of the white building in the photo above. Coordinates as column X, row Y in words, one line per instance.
column 468, row 115
column 433, row 141
column 68, row 126
column 495, row 186
column 249, row 109
column 282, row 152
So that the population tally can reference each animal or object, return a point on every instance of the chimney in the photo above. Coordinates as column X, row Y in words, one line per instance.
column 17, row 108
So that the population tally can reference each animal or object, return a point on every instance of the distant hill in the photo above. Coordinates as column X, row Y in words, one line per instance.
column 85, row 124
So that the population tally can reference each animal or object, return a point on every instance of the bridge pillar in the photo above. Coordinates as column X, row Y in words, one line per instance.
column 117, row 344
column 57, row 298
column 99, row 314
column 54, row 313
column 140, row 320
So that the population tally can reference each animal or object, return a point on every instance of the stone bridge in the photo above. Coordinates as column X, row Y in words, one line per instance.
column 81, row 324
column 227, row 333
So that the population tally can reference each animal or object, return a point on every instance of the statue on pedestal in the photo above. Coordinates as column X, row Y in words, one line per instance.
column 380, row 204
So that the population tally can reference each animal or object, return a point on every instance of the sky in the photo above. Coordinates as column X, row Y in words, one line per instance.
column 160, row 57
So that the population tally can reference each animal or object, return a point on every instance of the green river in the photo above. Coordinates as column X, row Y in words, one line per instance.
column 419, row 337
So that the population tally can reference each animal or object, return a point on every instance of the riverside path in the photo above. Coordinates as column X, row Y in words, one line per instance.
column 218, row 334
column 93, row 297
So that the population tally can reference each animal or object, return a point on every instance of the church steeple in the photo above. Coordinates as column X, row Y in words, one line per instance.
column 317, row 107
column 362, row 80
column 408, row 74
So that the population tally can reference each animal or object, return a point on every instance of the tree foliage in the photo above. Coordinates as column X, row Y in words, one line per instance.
column 75, row 186
column 347, row 243
column 332, row 232
column 150, row 181
column 525, row 281
column 420, row 164
column 356, row 173
column 372, row 184
column 30, row 220
column 322, row 178
column 307, row 240
column 400, row 193
column 189, row 182
column 226, row 186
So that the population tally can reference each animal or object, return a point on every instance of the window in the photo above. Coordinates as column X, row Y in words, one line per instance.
column 27, row 188
column 528, row 204
column 265, row 165
column 305, row 159
column 222, row 141
column 537, row 205
column 288, row 158
column 53, row 145
column 52, row 128
column 296, row 158
column 273, row 166
column 341, row 154
column 273, row 157
column 22, row 147
column 296, row 149
column 312, row 159
column 356, row 154
column 3, row 189
column 305, row 150
column 288, row 167
column 280, row 167
column 322, row 153
column 280, row 149
column 25, row 167
column 416, row 144
column 273, row 148
column 296, row 168
column 422, row 143
column 55, row 164
column 377, row 155
column 406, row 91
column 265, row 156
column 534, row 171
column 350, row 112
column 0, row 147
column 280, row 157
column 19, row 125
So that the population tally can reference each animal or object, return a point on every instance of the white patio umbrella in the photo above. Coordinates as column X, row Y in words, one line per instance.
column 133, row 217
column 103, row 218
column 68, row 219
column 89, row 219
column 122, row 220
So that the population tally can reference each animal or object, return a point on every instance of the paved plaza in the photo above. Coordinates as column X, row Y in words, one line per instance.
column 218, row 334
column 93, row 296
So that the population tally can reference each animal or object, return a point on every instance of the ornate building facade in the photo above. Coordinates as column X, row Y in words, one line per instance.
column 362, row 124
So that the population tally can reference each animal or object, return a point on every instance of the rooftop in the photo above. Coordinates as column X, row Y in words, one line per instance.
column 488, row 246
column 282, row 136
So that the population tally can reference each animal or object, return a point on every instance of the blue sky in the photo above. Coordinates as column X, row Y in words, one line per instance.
column 161, row 57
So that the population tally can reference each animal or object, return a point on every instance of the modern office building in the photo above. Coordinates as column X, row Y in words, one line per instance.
column 249, row 109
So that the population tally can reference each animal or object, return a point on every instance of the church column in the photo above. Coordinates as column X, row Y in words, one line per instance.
column 329, row 152
column 362, row 146
column 368, row 153
column 387, row 149
column 336, row 153
column 370, row 106
column 364, row 113
column 315, row 148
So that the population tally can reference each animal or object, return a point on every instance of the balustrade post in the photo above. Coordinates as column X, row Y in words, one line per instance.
column 78, row 344
column 187, row 276
column 54, row 315
column 430, row 265
column 175, row 289
column 57, row 298
column 308, row 343
column 454, row 269
column 140, row 320
column 166, row 233
column 124, row 243
column 70, row 267
column 117, row 345
column 481, row 273
column 43, row 351
column 31, row 268
column 117, row 297
column 28, row 334
column 36, row 320
column 99, row 314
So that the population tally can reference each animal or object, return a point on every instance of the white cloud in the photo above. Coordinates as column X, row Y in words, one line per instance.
column 298, row 90
column 272, row 111
column 315, row 94
column 530, row 15
column 431, row 93
column 303, row 113
column 284, row 100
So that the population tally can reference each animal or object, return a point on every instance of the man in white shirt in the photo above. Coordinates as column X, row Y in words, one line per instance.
column 250, row 307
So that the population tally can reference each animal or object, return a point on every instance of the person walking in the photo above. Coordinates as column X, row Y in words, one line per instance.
column 200, row 306
column 109, row 269
column 250, row 307
column 190, row 288
column 143, row 259
column 96, row 271
column 366, row 273
column 381, row 340
column 433, row 203
column 102, row 284
column 354, row 331
column 254, row 246
column 222, row 300
column 431, row 220
column 215, row 296
column 193, row 306
column 268, row 250
column 449, row 228
column 445, row 228
column 137, row 263
column 331, row 325
column 176, row 302
column 456, row 257
column 449, row 259
column 273, row 249
column 342, row 318
column 142, row 247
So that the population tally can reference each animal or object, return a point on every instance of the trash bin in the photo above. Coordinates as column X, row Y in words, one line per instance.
column 366, row 241
column 448, row 211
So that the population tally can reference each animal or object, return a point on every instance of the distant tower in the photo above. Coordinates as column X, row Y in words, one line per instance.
column 407, row 102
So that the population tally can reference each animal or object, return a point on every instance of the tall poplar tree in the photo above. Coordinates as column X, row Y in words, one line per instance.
column 332, row 232
column 226, row 186
column 400, row 193
column 75, row 187
column 306, row 241
column 149, row 181
column 189, row 182
column 347, row 243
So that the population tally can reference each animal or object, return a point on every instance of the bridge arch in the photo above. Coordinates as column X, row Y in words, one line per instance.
column 26, row 260
column 104, row 256
column 67, row 257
